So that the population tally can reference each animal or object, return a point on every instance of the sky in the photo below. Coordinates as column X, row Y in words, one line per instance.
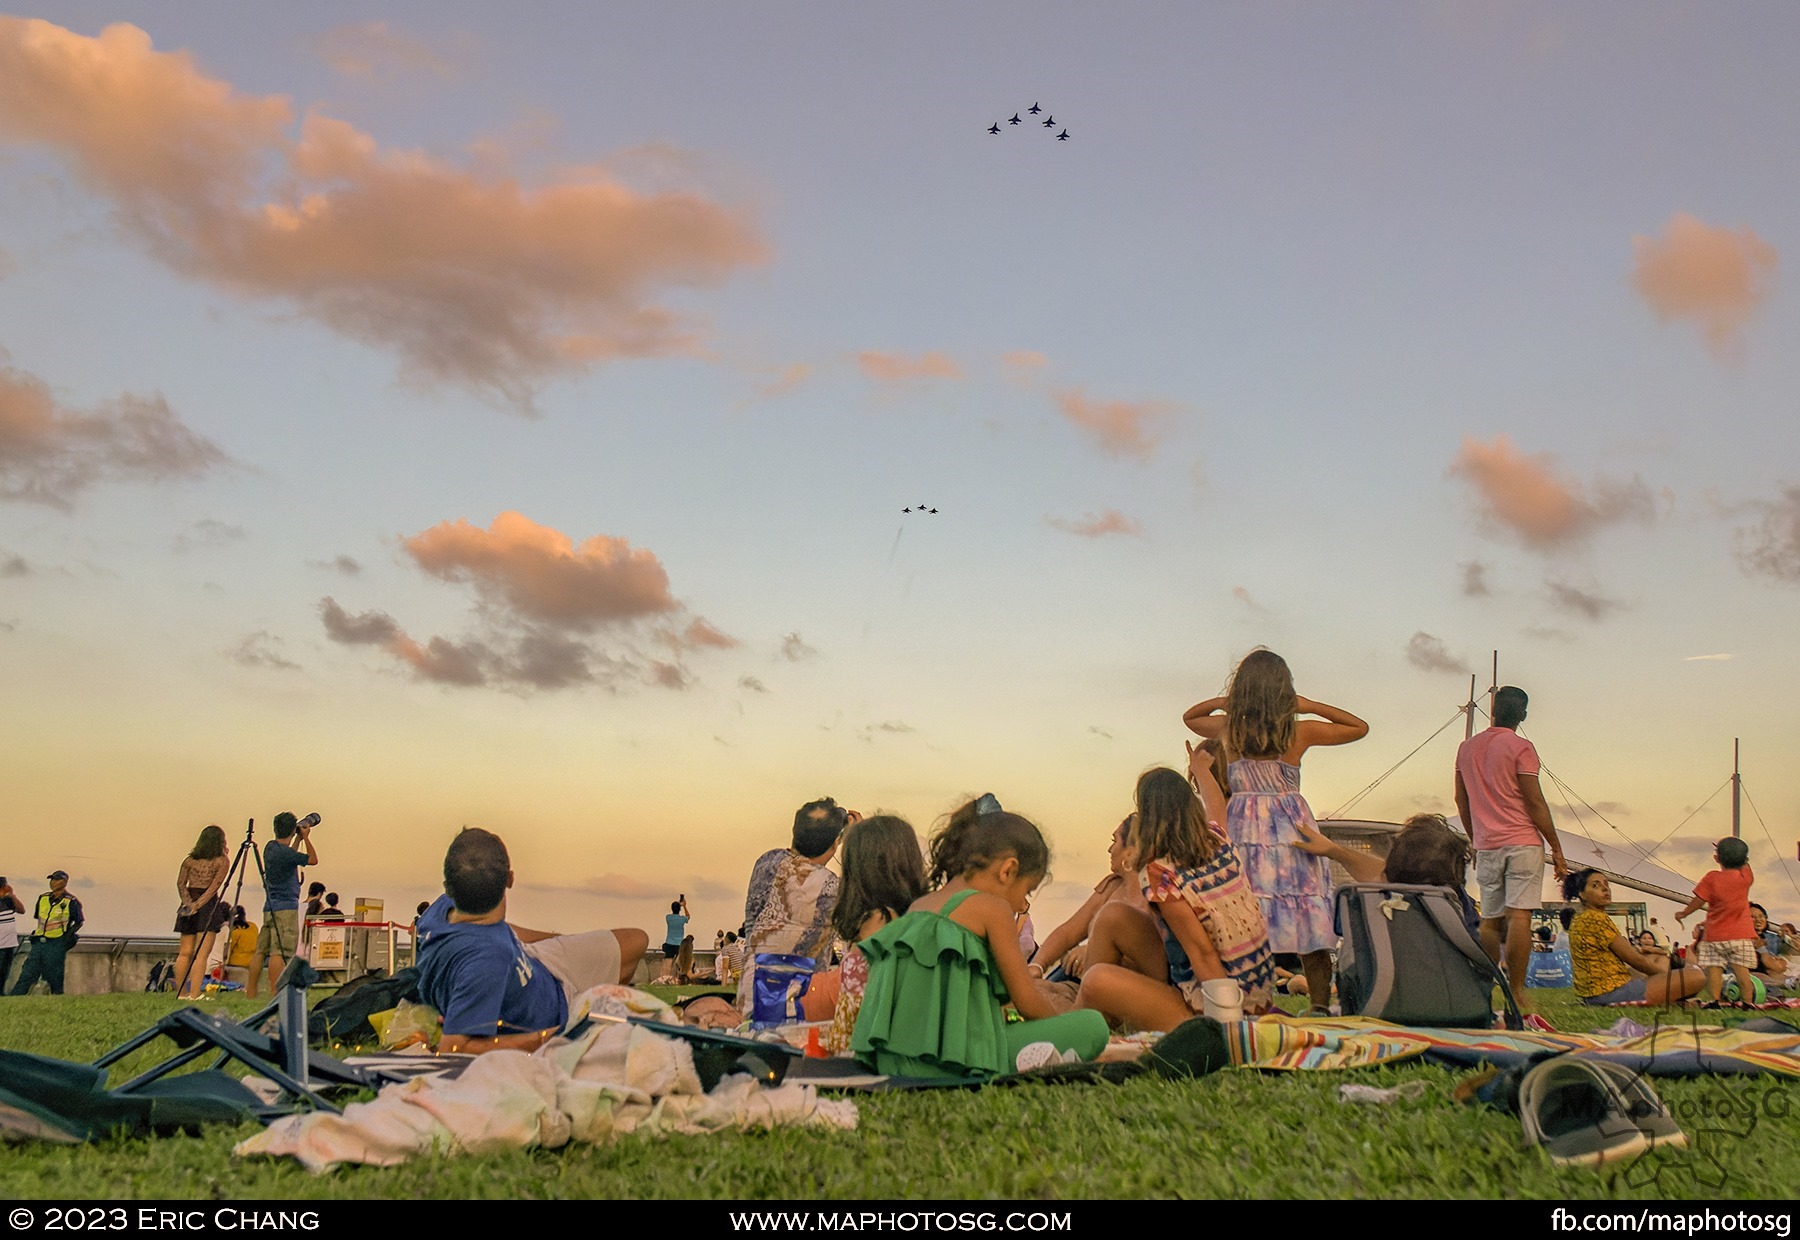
column 443, row 415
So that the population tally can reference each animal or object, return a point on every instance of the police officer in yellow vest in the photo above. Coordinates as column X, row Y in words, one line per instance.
column 59, row 921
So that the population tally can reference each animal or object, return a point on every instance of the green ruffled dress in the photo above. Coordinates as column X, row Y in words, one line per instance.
column 932, row 1007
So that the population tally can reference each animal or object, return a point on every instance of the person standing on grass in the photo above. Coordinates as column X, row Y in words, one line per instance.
column 675, row 923
column 280, row 935
column 59, row 919
column 1503, row 807
column 10, row 908
column 1730, row 932
column 1259, row 721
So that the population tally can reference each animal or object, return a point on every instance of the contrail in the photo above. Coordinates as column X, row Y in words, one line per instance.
column 896, row 547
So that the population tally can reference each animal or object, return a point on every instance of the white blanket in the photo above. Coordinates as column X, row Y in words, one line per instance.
column 613, row 1079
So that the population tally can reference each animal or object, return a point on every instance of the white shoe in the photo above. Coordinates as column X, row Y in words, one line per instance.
column 1036, row 1055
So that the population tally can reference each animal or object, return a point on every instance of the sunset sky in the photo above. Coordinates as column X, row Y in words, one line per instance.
column 477, row 415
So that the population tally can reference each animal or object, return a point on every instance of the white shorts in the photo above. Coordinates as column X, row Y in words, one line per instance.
column 1510, row 878
column 579, row 962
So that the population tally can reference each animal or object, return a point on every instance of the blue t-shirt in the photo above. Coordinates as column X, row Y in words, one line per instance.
column 481, row 980
column 677, row 924
column 281, row 875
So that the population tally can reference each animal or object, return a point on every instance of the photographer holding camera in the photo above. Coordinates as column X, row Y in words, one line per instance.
column 280, row 936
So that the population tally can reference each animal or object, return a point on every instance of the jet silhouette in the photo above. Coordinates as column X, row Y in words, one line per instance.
column 1050, row 123
column 994, row 128
column 1035, row 109
column 931, row 510
column 1015, row 120
column 1063, row 136
column 906, row 510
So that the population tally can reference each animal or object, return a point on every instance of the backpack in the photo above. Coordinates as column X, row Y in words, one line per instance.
column 1407, row 957
column 343, row 1016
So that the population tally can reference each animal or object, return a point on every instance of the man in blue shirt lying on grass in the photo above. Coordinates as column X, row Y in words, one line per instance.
column 499, row 986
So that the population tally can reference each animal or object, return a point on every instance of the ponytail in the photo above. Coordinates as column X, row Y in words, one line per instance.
column 976, row 836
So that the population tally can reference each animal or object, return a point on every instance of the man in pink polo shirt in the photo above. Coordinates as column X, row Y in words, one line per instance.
column 1498, row 796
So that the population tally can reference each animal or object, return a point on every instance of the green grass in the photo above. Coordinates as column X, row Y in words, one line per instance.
column 1235, row 1134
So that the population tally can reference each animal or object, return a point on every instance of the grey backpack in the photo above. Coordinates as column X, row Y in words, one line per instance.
column 1405, row 956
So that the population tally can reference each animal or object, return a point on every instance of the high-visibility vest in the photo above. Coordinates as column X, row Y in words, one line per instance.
column 53, row 915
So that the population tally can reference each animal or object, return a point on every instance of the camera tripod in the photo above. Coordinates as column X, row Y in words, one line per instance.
column 247, row 848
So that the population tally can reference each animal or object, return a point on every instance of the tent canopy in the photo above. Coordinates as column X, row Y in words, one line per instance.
column 1620, row 863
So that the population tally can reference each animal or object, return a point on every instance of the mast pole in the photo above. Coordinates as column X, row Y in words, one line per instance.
column 1469, row 710
column 1494, row 684
column 1737, row 785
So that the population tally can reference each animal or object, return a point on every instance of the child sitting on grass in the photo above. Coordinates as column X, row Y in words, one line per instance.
column 1730, row 932
column 884, row 872
column 1209, row 919
column 940, row 973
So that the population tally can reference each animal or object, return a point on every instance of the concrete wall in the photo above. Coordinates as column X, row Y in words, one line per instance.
column 102, row 964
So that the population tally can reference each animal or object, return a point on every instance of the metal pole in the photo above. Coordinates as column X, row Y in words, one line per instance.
column 1737, row 784
column 1469, row 710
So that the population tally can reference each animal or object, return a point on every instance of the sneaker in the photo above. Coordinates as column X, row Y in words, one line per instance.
column 1577, row 1114
column 1537, row 1024
column 1646, row 1110
column 1036, row 1055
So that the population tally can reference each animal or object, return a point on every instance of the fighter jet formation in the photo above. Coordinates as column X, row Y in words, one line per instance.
column 1049, row 121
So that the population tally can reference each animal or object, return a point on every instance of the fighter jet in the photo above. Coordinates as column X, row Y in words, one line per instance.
column 994, row 128
column 1050, row 122
column 1063, row 136
column 1015, row 120
column 1035, row 109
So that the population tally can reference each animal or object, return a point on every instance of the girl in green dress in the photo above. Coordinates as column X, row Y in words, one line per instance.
column 940, row 974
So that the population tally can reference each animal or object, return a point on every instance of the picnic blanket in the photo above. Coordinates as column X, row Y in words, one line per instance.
column 1287, row 1044
column 610, row 1080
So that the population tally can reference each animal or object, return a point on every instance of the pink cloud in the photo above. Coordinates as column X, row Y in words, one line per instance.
column 365, row 49
column 540, row 574
column 1119, row 427
column 50, row 454
column 1715, row 277
column 1022, row 366
column 1111, row 521
column 894, row 368
column 1526, row 496
column 471, row 279
column 1771, row 548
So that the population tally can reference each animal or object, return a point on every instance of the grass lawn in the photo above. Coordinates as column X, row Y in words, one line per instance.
column 1235, row 1134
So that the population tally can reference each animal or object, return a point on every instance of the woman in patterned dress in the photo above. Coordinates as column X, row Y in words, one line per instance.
column 1264, row 737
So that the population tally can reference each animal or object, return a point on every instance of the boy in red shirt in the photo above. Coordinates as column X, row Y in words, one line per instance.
column 1730, row 934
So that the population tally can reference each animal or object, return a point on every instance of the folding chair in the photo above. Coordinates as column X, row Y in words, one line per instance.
column 283, row 1057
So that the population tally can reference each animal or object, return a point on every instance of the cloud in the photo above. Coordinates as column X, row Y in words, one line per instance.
column 14, row 566
column 207, row 533
column 538, row 573
column 794, row 649
column 1243, row 596
column 1021, row 366
column 1111, row 521
column 543, row 604
column 790, row 378
column 893, row 368
column 1582, row 603
column 630, row 887
column 890, row 727
column 1708, row 658
column 340, row 564
column 1474, row 579
column 50, row 454
column 1119, row 427
column 1545, row 633
column 470, row 278
column 260, row 650
column 1099, row 731
column 1715, row 277
column 366, row 49
column 1429, row 654
column 1771, row 548
column 752, row 684
column 1525, row 496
